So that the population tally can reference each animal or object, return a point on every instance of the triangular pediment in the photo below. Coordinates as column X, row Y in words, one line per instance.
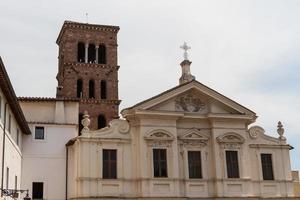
column 192, row 97
column 194, row 134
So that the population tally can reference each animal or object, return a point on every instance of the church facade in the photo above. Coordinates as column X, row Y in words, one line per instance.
column 189, row 142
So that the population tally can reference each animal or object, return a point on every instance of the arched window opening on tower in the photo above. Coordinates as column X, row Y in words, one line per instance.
column 103, row 89
column 102, row 54
column 101, row 121
column 91, row 89
column 81, row 52
column 80, row 126
column 79, row 88
column 91, row 53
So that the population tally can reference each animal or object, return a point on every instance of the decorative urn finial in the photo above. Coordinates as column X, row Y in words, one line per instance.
column 185, row 66
column 85, row 122
column 280, row 130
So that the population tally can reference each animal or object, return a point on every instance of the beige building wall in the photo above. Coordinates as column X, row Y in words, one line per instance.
column 13, row 141
column 45, row 160
column 296, row 182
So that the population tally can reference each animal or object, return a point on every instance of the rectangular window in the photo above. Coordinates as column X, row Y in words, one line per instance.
column 18, row 136
column 37, row 190
column 267, row 168
column 0, row 107
column 194, row 162
column 16, row 182
column 160, row 163
column 39, row 133
column 232, row 164
column 7, row 178
column 9, row 123
column 109, row 158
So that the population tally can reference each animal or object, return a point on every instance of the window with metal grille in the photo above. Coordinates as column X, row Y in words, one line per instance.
column 109, row 164
column 160, row 163
column 267, row 168
column 194, row 162
column 232, row 164
column 39, row 133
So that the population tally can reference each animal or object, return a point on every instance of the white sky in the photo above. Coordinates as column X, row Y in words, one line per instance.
column 246, row 50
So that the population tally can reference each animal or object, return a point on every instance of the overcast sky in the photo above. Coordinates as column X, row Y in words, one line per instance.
column 247, row 50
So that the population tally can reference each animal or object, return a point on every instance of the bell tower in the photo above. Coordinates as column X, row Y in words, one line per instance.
column 88, row 70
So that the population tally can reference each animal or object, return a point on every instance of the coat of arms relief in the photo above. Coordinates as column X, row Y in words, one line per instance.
column 189, row 102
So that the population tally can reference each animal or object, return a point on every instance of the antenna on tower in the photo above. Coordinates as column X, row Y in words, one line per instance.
column 87, row 17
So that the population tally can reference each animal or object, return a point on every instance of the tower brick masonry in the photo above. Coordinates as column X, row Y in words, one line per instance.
column 88, row 69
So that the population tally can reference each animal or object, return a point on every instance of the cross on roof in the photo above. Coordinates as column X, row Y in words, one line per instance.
column 87, row 17
column 185, row 47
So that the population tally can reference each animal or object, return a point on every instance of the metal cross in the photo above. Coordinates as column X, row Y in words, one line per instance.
column 185, row 47
column 87, row 17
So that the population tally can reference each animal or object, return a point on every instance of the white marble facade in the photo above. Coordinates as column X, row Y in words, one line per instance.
column 189, row 117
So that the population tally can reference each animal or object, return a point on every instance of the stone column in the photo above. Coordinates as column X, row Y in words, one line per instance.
column 97, row 49
column 86, row 52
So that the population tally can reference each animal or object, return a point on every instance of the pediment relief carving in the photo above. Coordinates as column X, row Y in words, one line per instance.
column 190, row 102
column 159, row 135
column 231, row 138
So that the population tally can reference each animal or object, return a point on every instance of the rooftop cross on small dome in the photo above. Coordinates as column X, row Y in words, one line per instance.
column 185, row 47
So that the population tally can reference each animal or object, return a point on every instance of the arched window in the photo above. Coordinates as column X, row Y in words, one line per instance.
column 80, row 126
column 102, row 54
column 103, row 89
column 80, row 52
column 101, row 121
column 91, row 89
column 91, row 53
column 79, row 88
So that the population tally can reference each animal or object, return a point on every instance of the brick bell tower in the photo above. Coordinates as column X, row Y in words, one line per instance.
column 88, row 70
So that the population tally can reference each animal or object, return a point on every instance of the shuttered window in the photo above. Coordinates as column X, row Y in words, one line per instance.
column 109, row 164
column 232, row 164
column 160, row 163
column 267, row 168
column 194, row 162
